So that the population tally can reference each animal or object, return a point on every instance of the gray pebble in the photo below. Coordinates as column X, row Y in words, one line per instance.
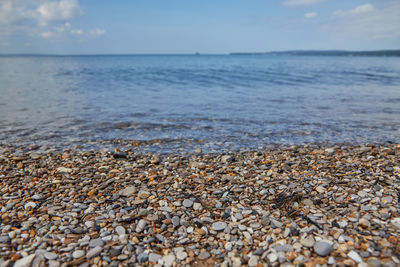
column 5, row 239
column 187, row 203
column 154, row 257
column 120, row 230
column 204, row 255
column 323, row 248
column 142, row 257
column 175, row 221
column 276, row 224
column 50, row 255
column 25, row 261
column 98, row 242
column 94, row 252
column 140, row 226
column 218, row 226
column 169, row 260
column 78, row 254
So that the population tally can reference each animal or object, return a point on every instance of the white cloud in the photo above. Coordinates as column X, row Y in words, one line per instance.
column 58, row 10
column 310, row 15
column 355, row 11
column 301, row 2
column 77, row 32
column 62, row 28
column 367, row 22
column 96, row 32
column 42, row 18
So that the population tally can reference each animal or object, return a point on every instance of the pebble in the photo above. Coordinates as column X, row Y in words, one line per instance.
column 187, row 203
column 78, row 254
column 307, row 242
column 98, row 242
column 396, row 222
column 253, row 261
column 50, row 255
column 30, row 205
column 120, row 230
column 128, row 191
column 25, row 261
column 323, row 248
column 140, row 226
column 204, row 255
column 143, row 194
column 275, row 223
column 127, row 209
column 94, row 252
column 154, row 257
column 219, row 226
column 272, row 257
column 181, row 255
column 169, row 260
column 175, row 221
column 355, row 256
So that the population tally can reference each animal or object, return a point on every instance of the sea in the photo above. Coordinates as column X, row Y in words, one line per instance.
column 216, row 103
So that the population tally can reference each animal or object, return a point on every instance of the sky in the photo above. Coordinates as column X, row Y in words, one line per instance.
column 189, row 26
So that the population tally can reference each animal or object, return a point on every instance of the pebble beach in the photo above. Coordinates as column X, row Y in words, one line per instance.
column 304, row 205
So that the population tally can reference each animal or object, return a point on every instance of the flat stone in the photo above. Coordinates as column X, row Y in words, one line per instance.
column 140, row 226
column 275, row 223
column 181, row 255
column 37, row 197
column 143, row 194
column 323, row 248
column 50, row 255
column 219, row 226
column 253, row 261
column 54, row 263
column 354, row 256
column 5, row 239
column 272, row 257
column 64, row 169
column 25, row 261
column 396, row 222
column 364, row 223
column 203, row 255
column 128, row 191
column 154, row 257
column 94, row 252
column 120, row 230
column 98, row 242
column 197, row 206
column 175, row 221
column 169, row 260
column 187, row 203
column 307, row 242
column 78, row 254
column 320, row 189
column 30, row 204
column 142, row 257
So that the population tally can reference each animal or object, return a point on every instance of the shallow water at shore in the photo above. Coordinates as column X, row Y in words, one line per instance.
column 211, row 102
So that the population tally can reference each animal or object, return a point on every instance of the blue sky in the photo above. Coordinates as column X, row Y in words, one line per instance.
column 188, row 26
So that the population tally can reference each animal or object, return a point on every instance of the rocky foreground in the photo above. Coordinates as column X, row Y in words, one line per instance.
column 289, row 206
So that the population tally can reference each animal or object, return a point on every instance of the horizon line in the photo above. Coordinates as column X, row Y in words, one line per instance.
column 198, row 53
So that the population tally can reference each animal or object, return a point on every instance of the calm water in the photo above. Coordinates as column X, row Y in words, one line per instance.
column 213, row 102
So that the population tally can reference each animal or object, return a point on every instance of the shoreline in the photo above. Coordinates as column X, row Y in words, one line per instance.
column 285, row 205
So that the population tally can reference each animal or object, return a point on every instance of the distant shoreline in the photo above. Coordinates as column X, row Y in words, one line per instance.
column 377, row 53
